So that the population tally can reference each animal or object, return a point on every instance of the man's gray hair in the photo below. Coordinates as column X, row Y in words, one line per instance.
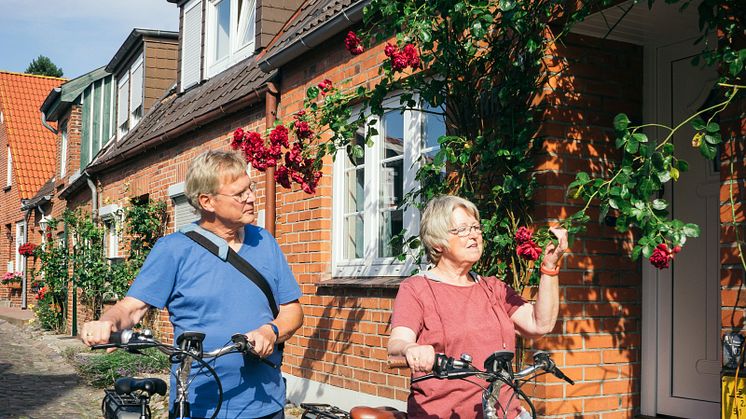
column 436, row 221
column 208, row 170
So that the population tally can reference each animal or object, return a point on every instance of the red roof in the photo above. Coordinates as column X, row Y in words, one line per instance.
column 32, row 146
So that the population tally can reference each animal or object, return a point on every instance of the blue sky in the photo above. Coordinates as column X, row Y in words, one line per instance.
column 77, row 35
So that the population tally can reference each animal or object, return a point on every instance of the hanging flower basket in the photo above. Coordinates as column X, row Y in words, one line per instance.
column 27, row 249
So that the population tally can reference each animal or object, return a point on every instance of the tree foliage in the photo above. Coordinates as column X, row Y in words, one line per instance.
column 43, row 66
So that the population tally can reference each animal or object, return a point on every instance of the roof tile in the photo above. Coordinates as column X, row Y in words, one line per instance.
column 32, row 146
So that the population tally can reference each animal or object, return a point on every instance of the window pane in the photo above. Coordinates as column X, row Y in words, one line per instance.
column 222, row 20
column 391, row 226
column 353, row 237
column 246, row 21
column 355, row 190
column 435, row 127
column 393, row 126
column 392, row 184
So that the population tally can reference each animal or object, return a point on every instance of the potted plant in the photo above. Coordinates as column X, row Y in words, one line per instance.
column 12, row 279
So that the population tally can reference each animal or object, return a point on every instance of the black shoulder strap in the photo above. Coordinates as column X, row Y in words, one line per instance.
column 241, row 264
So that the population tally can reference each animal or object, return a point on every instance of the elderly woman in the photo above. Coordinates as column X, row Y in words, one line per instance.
column 204, row 293
column 450, row 309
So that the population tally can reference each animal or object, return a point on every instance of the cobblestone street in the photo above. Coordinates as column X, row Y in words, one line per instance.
column 37, row 382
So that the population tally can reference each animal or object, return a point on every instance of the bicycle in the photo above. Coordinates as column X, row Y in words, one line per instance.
column 130, row 397
column 498, row 371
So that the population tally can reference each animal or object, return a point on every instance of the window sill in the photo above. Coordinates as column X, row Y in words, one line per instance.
column 385, row 282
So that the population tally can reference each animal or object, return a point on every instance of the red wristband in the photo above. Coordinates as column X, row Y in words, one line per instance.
column 550, row 272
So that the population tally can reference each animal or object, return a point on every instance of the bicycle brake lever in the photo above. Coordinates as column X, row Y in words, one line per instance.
column 244, row 346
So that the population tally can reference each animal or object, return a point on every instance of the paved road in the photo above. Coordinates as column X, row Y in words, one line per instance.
column 37, row 382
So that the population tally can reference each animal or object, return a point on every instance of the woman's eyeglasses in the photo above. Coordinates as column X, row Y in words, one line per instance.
column 242, row 197
column 465, row 231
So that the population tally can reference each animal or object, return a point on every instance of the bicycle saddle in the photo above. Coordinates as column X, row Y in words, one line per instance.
column 151, row 386
column 365, row 412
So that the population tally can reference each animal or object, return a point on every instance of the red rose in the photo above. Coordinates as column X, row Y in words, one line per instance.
column 412, row 55
column 279, row 136
column 325, row 85
column 661, row 256
column 676, row 249
column 303, row 130
column 529, row 250
column 352, row 43
column 390, row 50
column 282, row 176
column 523, row 234
column 238, row 136
column 399, row 62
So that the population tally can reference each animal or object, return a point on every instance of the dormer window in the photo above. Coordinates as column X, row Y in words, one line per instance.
column 230, row 33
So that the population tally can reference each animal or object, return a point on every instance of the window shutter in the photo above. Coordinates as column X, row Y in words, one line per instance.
column 183, row 212
column 191, row 48
column 136, row 80
column 123, row 100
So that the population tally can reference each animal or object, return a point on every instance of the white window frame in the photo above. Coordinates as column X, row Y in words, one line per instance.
column 371, row 265
column 237, row 25
column 21, row 235
column 111, row 217
column 63, row 150
column 9, row 173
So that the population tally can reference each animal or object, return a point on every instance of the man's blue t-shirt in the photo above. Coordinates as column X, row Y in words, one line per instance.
column 205, row 294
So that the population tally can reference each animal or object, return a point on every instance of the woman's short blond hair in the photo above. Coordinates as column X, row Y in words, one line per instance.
column 209, row 170
column 436, row 221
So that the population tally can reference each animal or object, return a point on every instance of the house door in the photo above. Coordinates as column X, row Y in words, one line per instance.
column 688, row 307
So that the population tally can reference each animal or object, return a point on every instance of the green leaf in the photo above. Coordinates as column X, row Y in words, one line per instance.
column 663, row 176
column 632, row 147
column 506, row 5
column 713, row 138
column 640, row 137
column 713, row 127
column 659, row 204
column 682, row 165
column 690, row 230
column 647, row 251
column 636, row 252
column 707, row 150
column 621, row 122
column 425, row 35
column 312, row 92
column 698, row 124
column 477, row 30
column 613, row 204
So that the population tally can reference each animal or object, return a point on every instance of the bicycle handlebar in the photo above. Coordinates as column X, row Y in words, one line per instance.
column 450, row 368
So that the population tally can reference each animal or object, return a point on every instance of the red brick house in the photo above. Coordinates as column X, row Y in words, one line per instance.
column 28, row 158
column 93, row 112
column 636, row 340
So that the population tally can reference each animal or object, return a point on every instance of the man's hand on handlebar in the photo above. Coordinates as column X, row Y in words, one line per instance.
column 420, row 357
column 97, row 332
column 263, row 340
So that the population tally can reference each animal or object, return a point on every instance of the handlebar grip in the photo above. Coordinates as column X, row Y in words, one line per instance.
column 120, row 337
column 397, row 362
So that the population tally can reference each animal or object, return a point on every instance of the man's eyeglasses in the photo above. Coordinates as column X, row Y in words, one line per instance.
column 242, row 197
column 465, row 231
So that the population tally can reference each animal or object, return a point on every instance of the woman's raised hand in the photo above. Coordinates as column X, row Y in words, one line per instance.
column 552, row 253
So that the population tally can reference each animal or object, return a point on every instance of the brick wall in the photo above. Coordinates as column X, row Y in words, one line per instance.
column 732, row 176
column 10, row 214
column 597, row 337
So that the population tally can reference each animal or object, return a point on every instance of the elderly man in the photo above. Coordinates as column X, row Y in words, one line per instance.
column 204, row 293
